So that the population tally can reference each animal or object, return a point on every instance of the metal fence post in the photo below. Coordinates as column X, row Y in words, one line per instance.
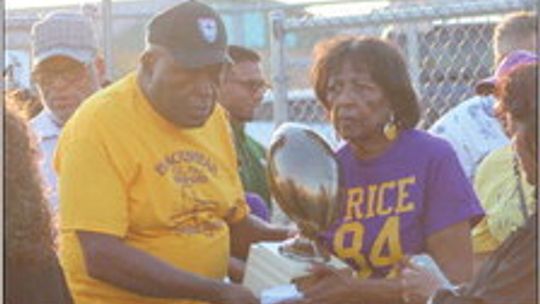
column 106, row 13
column 2, row 47
column 279, row 78
column 413, row 57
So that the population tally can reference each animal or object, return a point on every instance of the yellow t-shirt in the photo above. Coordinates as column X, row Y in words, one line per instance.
column 125, row 171
column 497, row 188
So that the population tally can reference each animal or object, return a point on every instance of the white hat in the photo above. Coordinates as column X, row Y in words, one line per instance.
column 63, row 34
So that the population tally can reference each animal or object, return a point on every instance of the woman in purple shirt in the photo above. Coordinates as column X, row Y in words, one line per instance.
column 405, row 190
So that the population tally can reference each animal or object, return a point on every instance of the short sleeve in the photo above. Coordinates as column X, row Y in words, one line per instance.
column 450, row 198
column 92, row 193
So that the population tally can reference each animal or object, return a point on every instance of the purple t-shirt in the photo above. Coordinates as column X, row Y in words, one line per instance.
column 394, row 202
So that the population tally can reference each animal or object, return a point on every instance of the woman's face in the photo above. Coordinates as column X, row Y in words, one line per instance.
column 357, row 104
column 523, row 147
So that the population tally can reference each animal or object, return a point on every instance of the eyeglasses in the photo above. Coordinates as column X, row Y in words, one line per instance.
column 253, row 86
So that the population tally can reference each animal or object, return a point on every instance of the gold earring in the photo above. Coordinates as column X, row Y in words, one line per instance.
column 390, row 130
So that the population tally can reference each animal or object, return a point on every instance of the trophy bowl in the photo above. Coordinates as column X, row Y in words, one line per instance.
column 304, row 178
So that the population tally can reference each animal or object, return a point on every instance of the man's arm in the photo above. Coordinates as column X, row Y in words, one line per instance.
column 109, row 259
column 236, row 269
column 251, row 230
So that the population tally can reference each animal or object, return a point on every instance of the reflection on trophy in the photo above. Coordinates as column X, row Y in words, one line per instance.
column 304, row 180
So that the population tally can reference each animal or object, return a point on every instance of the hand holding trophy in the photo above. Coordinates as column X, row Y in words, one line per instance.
column 304, row 179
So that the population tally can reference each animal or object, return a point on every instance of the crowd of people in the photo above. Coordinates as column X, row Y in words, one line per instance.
column 149, row 190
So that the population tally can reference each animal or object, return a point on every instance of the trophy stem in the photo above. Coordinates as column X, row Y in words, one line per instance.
column 320, row 254
column 302, row 249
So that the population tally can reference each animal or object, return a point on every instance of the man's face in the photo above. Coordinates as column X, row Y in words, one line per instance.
column 243, row 90
column 184, row 97
column 63, row 83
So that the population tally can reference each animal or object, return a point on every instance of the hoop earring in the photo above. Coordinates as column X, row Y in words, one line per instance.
column 390, row 129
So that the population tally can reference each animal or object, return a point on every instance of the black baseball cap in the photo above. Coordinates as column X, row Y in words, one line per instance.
column 193, row 32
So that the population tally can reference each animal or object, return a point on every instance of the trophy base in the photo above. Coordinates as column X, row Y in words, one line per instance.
column 266, row 267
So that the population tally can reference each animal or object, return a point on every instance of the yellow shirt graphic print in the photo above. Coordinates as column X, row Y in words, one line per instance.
column 169, row 192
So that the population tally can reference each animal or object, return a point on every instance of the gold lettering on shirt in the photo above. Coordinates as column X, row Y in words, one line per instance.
column 375, row 200
column 381, row 210
column 355, row 200
column 371, row 201
column 403, row 194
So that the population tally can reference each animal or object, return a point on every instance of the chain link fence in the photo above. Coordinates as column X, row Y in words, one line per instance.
column 447, row 45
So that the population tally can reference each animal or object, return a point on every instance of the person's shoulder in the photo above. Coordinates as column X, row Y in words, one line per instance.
column 465, row 112
column 99, row 114
column 426, row 143
column 217, row 121
column 494, row 168
column 496, row 157
column 104, row 105
column 254, row 142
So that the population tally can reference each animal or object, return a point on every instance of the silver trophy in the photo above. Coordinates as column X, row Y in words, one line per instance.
column 304, row 178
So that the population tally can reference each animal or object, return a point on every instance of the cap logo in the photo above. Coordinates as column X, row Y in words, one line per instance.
column 208, row 29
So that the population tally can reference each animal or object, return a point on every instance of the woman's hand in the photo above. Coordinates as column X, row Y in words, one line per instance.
column 329, row 286
column 417, row 282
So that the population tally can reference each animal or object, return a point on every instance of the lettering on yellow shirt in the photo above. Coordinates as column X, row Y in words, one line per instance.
column 186, row 157
column 187, row 167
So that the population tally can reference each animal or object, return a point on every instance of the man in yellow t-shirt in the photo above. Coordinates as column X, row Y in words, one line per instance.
column 150, row 198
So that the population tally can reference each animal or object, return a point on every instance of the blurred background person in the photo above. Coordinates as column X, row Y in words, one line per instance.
column 499, row 182
column 509, row 275
column 32, row 271
column 66, row 70
column 241, row 93
column 471, row 127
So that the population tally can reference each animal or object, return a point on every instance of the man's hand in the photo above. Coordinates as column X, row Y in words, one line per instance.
column 252, row 230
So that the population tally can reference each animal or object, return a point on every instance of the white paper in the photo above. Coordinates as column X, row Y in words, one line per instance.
column 279, row 293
